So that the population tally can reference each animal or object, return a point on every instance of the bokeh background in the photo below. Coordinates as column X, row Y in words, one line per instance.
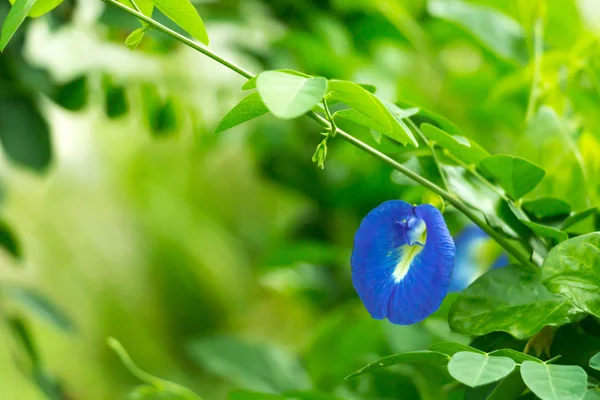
column 222, row 261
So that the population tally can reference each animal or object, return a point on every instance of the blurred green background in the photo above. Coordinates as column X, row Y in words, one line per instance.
column 222, row 261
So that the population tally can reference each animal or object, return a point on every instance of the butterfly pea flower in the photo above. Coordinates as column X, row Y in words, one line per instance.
column 476, row 253
column 402, row 261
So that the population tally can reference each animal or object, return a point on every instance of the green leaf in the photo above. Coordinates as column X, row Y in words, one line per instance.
column 135, row 38
column 425, row 358
column 592, row 394
column 73, row 94
column 595, row 362
column 554, row 382
column 372, row 113
column 425, row 116
column 254, row 366
column 184, row 14
column 17, row 14
column 510, row 299
column 115, row 99
column 249, row 108
column 546, row 231
column 509, row 388
column 546, row 207
column 9, row 241
column 40, row 305
column 573, row 269
column 577, row 217
column 498, row 32
column 451, row 348
column 156, row 386
column 460, row 147
column 475, row 369
column 517, row 356
column 146, row 6
column 516, row 175
column 289, row 96
column 42, row 7
column 24, row 133
column 251, row 83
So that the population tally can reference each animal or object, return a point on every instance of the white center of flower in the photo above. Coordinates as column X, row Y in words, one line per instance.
column 416, row 235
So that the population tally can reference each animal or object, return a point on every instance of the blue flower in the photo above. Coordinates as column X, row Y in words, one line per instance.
column 402, row 261
column 475, row 254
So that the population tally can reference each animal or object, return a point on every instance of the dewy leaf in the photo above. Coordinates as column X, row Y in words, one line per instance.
column 467, row 151
column 546, row 207
column 254, row 366
column 595, row 362
column 24, row 133
column 573, row 269
column 184, row 14
column 425, row 358
column 510, row 299
column 474, row 369
column 372, row 112
column 251, row 83
column 498, row 32
column 554, row 382
column 546, row 231
column 451, row 348
column 289, row 96
column 249, row 108
column 17, row 14
column 516, row 175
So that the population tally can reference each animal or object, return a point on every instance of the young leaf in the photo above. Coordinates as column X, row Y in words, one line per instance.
column 516, row 175
column 17, row 14
column 463, row 149
column 451, row 348
column 135, row 38
column 251, row 83
column 573, row 269
column 546, row 207
column 184, row 14
column 369, row 111
column 498, row 32
column 249, row 108
column 156, row 387
column 546, row 231
column 554, row 382
column 289, row 96
column 474, row 369
column 595, row 362
column 415, row 358
column 510, row 299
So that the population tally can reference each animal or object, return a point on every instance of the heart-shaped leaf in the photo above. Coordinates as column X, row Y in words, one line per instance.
column 474, row 369
column 517, row 176
column 554, row 382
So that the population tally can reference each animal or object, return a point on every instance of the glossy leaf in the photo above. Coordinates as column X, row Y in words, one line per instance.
column 17, row 14
column 595, row 362
column 289, row 96
column 415, row 358
column 474, row 369
column 546, row 231
column 517, row 176
column 554, row 382
column 460, row 147
column 372, row 112
column 254, row 366
column 546, row 207
column 573, row 269
column 451, row 348
column 24, row 133
column 510, row 299
column 498, row 32
column 184, row 14
column 251, row 83
column 249, row 108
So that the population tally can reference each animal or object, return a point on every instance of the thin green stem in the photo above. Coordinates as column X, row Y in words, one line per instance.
column 459, row 205
column 136, row 6
column 436, row 160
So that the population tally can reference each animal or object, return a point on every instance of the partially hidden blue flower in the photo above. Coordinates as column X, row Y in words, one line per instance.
column 402, row 261
column 476, row 253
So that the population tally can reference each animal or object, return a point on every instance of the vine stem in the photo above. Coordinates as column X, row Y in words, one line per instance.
column 459, row 205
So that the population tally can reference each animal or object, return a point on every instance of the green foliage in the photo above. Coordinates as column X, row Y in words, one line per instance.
column 249, row 108
column 184, row 14
column 17, row 14
column 423, row 359
column 546, row 207
column 510, row 299
column 135, row 38
column 573, row 269
column 460, row 147
column 475, row 369
column 289, row 96
column 516, row 175
column 554, row 382
column 595, row 362
column 72, row 95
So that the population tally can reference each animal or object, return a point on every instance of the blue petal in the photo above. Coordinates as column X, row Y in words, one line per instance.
column 468, row 266
column 402, row 261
